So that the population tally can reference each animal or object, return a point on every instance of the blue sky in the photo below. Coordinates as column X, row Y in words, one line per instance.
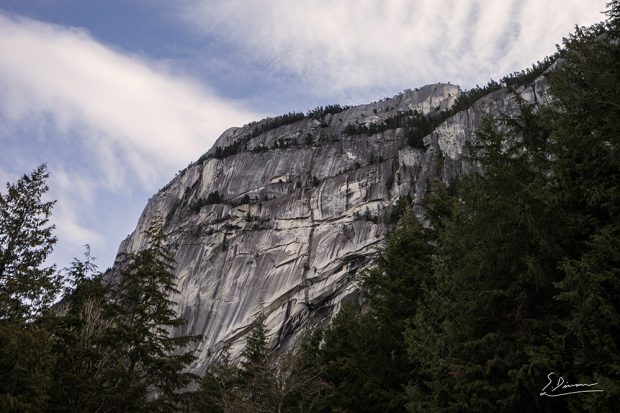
column 118, row 95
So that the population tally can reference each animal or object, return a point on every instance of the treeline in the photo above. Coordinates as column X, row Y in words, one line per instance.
column 106, row 345
column 265, row 125
column 509, row 290
column 505, row 299
column 512, row 286
column 417, row 125
column 321, row 111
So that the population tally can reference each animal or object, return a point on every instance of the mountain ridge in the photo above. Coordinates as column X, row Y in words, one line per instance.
column 286, row 221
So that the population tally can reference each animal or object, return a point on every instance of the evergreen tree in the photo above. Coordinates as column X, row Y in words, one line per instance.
column 256, row 352
column 82, row 375
column 351, row 358
column 151, row 369
column 26, row 363
column 585, row 120
column 613, row 19
column 220, row 388
column 519, row 277
column 256, row 375
column 364, row 355
column 300, row 377
column 290, row 383
column 27, row 287
column 491, row 297
column 526, row 275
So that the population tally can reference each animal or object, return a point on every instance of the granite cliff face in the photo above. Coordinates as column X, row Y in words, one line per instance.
column 285, row 220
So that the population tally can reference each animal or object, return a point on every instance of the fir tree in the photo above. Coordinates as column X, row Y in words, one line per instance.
column 255, row 374
column 256, row 352
column 86, row 357
column 26, row 364
column 220, row 388
column 585, row 173
column 27, row 287
column 151, row 370
column 491, row 297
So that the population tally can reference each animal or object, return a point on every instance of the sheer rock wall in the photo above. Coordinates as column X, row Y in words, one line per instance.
column 304, row 209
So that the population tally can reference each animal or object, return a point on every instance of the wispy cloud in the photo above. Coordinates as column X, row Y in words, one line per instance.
column 77, row 195
column 133, row 110
column 107, row 122
column 355, row 44
column 111, row 124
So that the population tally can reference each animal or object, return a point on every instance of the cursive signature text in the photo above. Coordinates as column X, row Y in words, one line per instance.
column 559, row 387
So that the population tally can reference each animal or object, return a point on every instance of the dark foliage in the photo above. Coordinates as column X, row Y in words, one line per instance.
column 517, row 274
column 265, row 125
column 211, row 199
column 528, row 75
column 151, row 372
column 513, row 275
column 320, row 111
column 226, row 151
column 27, row 286
column 27, row 289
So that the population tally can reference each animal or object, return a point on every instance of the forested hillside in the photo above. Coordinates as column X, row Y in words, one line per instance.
column 509, row 286
column 514, row 274
column 502, row 294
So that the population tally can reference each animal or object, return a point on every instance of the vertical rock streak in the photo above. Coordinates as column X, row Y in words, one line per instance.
column 286, row 220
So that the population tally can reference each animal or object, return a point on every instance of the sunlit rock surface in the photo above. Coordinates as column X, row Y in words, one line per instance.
column 304, row 209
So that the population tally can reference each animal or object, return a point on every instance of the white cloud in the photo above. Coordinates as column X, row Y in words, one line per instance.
column 142, row 118
column 4, row 178
column 347, row 44
column 109, row 125
column 77, row 195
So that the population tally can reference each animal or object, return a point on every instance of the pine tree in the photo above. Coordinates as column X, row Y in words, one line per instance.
column 26, row 363
column 256, row 352
column 363, row 355
column 309, row 391
column 613, row 19
column 151, row 370
column 27, row 287
column 491, row 297
column 292, row 382
column 351, row 358
column 86, row 357
column 520, row 277
column 256, row 375
column 220, row 388
column 585, row 171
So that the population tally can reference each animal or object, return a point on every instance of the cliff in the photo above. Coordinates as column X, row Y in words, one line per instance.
column 285, row 218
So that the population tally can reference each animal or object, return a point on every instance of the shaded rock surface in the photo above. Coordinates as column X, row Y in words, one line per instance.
column 286, row 223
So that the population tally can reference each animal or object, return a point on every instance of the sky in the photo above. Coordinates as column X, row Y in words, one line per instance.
column 117, row 96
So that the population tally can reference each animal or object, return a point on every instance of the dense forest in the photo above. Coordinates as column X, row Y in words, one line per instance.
column 503, row 296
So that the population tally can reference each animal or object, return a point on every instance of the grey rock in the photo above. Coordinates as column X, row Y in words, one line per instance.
column 305, row 208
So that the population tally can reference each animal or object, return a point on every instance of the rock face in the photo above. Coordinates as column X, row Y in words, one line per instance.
column 287, row 220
